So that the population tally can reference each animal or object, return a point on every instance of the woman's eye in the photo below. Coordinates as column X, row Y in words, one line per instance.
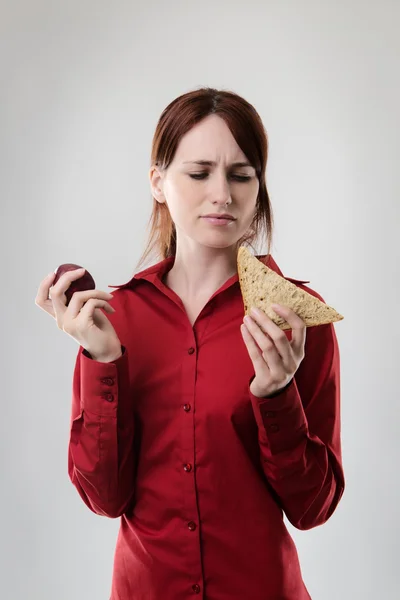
column 235, row 177
column 241, row 177
column 198, row 175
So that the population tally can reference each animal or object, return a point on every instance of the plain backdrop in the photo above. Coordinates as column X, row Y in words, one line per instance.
column 82, row 85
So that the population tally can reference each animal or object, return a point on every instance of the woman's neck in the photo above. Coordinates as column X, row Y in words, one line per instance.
column 201, row 272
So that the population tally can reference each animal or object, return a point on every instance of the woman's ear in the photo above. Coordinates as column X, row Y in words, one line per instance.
column 156, row 184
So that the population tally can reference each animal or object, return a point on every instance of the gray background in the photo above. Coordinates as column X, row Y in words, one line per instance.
column 82, row 86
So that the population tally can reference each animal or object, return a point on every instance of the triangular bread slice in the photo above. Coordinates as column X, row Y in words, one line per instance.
column 261, row 287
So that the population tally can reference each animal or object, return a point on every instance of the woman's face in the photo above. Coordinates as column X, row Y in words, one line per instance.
column 192, row 190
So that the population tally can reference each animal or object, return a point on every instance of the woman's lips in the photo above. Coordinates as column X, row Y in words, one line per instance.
column 219, row 221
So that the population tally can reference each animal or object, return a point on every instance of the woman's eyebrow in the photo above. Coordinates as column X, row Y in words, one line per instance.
column 211, row 163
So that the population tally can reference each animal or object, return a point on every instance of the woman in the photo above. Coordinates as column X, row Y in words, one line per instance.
column 199, row 428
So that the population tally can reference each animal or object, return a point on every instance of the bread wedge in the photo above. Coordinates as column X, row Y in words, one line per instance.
column 261, row 287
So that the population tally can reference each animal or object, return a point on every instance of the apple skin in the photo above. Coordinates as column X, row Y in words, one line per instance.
column 86, row 282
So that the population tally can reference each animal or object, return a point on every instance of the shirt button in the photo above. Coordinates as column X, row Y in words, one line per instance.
column 274, row 427
column 187, row 468
column 270, row 414
column 192, row 525
column 196, row 588
column 191, row 351
column 186, row 407
column 108, row 381
column 108, row 397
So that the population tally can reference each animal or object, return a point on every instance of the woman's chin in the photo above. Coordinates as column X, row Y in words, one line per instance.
column 217, row 241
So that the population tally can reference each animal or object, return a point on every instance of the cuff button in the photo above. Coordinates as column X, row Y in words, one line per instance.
column 274, row 427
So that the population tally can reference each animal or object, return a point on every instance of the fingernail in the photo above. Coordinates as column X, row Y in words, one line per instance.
column 276, row 306
column 255, row 311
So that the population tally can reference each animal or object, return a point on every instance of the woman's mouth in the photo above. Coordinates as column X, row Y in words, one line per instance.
column 221, row 221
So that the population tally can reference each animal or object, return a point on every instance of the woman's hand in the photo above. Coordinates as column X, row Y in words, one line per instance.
column 82, row 319
column 274, row 357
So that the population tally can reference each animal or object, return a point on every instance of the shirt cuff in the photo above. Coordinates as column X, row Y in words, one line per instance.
column 281, row 419
column 105, row 386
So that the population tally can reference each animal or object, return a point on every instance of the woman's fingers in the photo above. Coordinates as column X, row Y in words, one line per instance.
column 59, row 289
column 75, row 321
column 54, row 302
column 286, row 349
column 58, row 296
column 269, row 352
column 42, row 297
column 253, row 349
column 79, row 301
column 299, row 330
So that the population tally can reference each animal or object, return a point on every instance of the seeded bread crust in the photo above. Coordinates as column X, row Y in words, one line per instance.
column 261, row 287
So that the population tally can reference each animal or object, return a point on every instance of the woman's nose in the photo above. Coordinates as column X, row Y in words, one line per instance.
column 221, row 193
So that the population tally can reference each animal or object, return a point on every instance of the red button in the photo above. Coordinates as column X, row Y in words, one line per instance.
column 192, row 525
column 108, row 381
column 187, row 468
column 108, row 397
column 270, row 414
column 274, row 427
column 196, row 588
column 187, row 407
column 191, row 351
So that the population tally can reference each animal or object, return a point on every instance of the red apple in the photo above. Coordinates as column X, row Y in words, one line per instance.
column 86, row 282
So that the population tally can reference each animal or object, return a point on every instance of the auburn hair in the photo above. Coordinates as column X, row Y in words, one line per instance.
column 247, row 128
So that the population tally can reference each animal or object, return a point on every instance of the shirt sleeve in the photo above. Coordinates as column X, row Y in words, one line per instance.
column 101, row 446
column 299, row 434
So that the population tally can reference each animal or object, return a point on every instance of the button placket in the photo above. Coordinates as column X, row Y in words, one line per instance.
column 188, row 466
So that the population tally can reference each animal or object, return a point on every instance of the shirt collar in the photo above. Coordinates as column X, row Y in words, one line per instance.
column 155, row 273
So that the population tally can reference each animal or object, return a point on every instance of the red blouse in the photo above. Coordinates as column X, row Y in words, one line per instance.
column 169, row 438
